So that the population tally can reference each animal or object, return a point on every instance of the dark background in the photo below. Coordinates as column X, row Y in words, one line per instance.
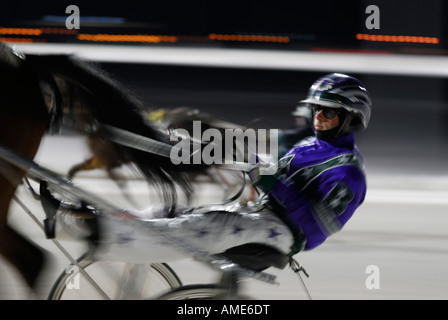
column 408, row 129
column 309, row 24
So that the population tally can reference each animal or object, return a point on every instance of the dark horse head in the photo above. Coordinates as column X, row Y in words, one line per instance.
column 36, row 92
column 92, row 98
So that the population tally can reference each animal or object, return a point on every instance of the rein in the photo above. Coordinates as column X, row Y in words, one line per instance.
column 139, row 142
column 142, row 143
column 136, row 141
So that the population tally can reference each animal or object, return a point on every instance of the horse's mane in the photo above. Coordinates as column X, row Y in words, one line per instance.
column 104, row 100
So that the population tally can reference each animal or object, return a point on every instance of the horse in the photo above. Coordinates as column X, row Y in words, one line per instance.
column 37, row 92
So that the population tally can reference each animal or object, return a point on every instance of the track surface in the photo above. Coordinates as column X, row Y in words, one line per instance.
column 401, row 230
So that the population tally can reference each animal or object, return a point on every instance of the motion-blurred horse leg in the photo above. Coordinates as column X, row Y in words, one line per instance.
column 23, row 136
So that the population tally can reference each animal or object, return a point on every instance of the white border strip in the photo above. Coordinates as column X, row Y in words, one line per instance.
column 407, row 196
column 388, row 64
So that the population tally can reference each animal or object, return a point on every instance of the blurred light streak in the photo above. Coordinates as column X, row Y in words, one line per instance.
column 36, row 31
column 365, row 51
column 21, row 31
column 97, row 19
column 17, row 40
column 392, row 64
column 249, row 38
column 59, row 31
column 392, row 38
column 126, row 38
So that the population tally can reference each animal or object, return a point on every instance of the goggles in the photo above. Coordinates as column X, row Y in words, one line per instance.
column 328, row 113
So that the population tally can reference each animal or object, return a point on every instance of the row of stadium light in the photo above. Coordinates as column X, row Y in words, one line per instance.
column 389, row 38
column 164, row 38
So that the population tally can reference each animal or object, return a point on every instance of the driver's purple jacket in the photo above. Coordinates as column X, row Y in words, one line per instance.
column 319, row 186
